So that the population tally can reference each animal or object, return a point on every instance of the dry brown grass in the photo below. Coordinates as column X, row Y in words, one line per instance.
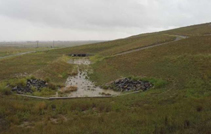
column 184, row 63
column 183, row 106
column 40, row 106
column 69, row 89
column 4, row 51
column 57, row 71
column 195, row 30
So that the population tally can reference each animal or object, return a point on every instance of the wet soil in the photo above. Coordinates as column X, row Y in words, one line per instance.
column 85, row 87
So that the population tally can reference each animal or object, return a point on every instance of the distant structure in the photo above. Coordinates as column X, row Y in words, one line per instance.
column 80, row 55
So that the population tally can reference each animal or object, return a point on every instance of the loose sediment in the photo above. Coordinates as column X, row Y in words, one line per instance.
column 85, row 87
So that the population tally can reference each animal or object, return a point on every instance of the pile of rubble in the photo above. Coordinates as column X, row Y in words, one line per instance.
column 128, row 84
column 31, row 83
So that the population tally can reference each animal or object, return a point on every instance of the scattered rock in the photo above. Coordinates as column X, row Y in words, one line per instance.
column 27, row 124
column 21, row 75
column 31, row 85
column 106, row 94
column 59, row 119
column 128, row 84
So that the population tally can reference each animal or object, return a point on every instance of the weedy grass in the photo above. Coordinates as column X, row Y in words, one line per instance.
column 183, row 64
column 195, row 30
column 25, row 64
column 112, row 47
column 179, row 102
column 7, row 85
column 46, row 91
column 4, row 89
column 156, row 111
column 5, row 51
column 57, row 71
column 157, row 83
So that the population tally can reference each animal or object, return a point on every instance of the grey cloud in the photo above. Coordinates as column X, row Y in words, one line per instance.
column 75, row 13
column 115, row 17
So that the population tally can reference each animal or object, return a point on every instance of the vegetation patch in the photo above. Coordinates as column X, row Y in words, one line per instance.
column 5, row 89
column 12, row 50
column 28, row 85
column 157, row 83
column 180, row 70
column 57, row 71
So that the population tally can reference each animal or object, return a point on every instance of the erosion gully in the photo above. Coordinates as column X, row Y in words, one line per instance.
column 85, row 87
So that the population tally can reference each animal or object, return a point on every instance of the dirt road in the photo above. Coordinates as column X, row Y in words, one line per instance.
column 178, row 37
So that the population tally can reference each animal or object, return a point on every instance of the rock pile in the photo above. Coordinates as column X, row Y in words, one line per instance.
column 128, row 84
column 31, row 83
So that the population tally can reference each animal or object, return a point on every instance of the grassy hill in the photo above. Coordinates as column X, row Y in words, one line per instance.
column 179, row 104
column 195, row 30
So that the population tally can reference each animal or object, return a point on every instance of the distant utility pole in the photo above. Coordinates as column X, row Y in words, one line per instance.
column 37, row 43
column 53, row 44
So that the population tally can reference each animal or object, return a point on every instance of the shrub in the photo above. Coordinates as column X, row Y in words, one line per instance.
column 44, row 92
column 20, row 82
column 135, row 78
column 47, row 79
column 40, row 107
column 158, row 83
column 5, row 90
column 52, row 86
column 31, row 77
column 64, row 75
column 33, row 89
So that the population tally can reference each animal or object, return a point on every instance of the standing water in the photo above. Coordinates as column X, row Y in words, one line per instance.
column 85, row 88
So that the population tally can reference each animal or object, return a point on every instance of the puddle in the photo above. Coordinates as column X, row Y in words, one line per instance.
column 85, row 88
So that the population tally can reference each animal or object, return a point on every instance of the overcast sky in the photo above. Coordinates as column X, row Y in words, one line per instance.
column 95, row 19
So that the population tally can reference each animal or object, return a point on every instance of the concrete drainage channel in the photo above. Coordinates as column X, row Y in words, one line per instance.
column 66, row 98
column 62, row 98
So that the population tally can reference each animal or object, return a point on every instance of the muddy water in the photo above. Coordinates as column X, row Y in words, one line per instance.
column 86, row 88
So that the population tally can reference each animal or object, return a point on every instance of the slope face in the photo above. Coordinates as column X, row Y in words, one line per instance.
column 180, row 106
column 195, row 30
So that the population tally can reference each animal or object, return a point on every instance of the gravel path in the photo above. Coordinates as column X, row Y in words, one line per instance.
column 18, row 54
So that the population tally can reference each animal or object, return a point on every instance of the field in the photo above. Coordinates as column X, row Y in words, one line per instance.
column 12, row 48
column 44, row 44
column 6, row 51
column 179, row 102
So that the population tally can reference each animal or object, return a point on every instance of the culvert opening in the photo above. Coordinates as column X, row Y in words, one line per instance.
column 80, row 55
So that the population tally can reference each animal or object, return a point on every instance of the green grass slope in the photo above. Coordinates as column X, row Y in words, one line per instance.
column 185, row 64
column 195, row 30
column 180, row 103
